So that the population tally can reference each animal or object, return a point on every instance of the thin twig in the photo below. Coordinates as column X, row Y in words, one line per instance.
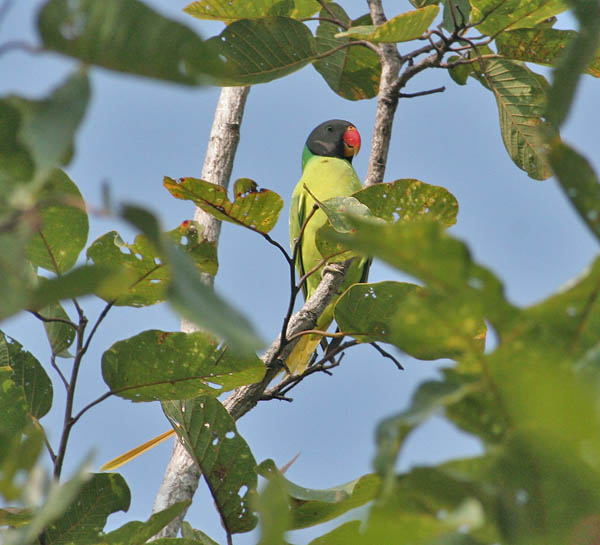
column 50, row 320
column 386, row 354
column 328, row 9
column 58, row 370
column 18, row 45
column 422, row 93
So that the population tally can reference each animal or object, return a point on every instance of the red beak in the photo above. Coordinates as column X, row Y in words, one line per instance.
column 351, row 141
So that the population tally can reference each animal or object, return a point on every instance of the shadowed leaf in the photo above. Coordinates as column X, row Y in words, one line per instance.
column 84, row 519
column 126, row 37
column 352, row 72
column 209, row 434
column 402, row 28
column 521, row 99
column 64, row 225
column 166, row 365
column 198, row 535
column 257, row 209
column 60, row 335
column 261, row 50
column 16, row 162
column 29, row 376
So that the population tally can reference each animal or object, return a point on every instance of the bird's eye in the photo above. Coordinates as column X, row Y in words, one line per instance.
column 329, row 128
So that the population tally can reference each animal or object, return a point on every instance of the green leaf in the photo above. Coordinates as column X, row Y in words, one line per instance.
column 426, row 252
column 345, row 534
column 497, row 15
column 103, row 281
column 137, row 533
column 425, row 325
column 127, row 37
column 12, row 401
column 64, row 225
column 13, row 516
column 261, row 50
column 16, row 163
column 62, row 497
column 166, row 365
column 49, row 125
column 60, row 335
column 252, row 208
column 198, row 535
column 579, row 182
column 456, row 10
column 352, row 72
column 209, row 434
column 402, row 28
column 28, row 375
column 273, row 508
column 521, row 98
column 579, row 54
column 409, row 200
column 82, row 522
column 461, row 72
column 228, row 12
column 310, row 506
column 541, row 45
column 144, row 264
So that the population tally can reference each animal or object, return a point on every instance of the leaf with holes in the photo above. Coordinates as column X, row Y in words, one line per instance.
column 579, row 182
column 63, row 227
column 409, row 200
column 541, row 45
column 257, row 209
column 494, row 16
column 142, row 262
column 167, row 365
column 402, row 28
column 209, row 434
column 261, row 50
column 521, row 98
column 352, row 72
column 127, row 37
column 309, row 507
column 29, row 376
column 83, row 521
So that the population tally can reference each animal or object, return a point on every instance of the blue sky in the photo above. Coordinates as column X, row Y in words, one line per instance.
column 136, row 131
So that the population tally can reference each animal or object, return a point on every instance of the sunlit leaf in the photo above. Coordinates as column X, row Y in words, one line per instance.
column 352, row 72
column 409, row 200
column 311, row 506
column 521, row 98
column 540, row 45
column 15, row 517
column 48, row 125
column 261, row 50
column 579, row 182
column 126, row 37
column 138, row 533
column 581, row 52
column 63, row 227
column 402, row 28
column 84, row 519
column 494, row 16
column 167, row 365
column 29, row 376
column 227, row 11
column 345, row 533
column 257, row 209
column 209, row 434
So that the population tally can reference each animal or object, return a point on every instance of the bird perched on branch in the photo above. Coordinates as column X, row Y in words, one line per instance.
column 327, row 172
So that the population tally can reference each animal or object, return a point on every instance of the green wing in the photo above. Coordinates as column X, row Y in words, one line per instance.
column 297, row 217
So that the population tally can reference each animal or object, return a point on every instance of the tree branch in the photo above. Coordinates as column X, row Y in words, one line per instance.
column 181, row 476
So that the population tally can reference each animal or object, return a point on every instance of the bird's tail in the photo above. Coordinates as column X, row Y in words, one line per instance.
column 135, row 452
